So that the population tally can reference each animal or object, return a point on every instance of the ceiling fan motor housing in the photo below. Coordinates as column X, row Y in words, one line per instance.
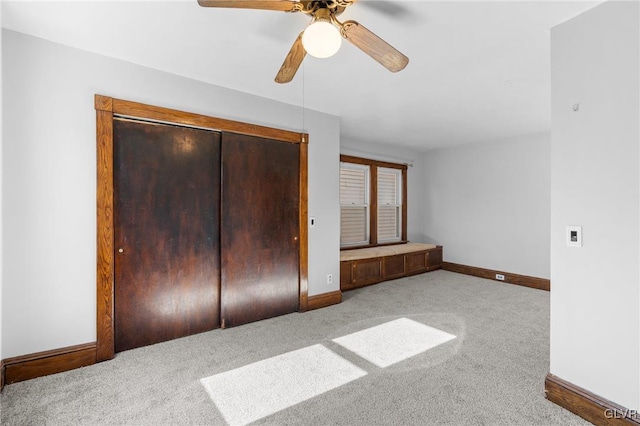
column 324, row 14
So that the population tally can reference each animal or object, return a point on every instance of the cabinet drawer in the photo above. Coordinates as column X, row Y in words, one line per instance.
column 434, row 259
column 346, row 282
column 394, row 266
column 416, row 262
column 367, row 271
column 356, row 272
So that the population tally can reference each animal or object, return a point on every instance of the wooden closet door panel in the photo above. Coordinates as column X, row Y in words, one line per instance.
column 259, row 229
column 167, row 198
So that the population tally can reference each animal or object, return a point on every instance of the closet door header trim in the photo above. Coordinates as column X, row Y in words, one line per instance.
column 130, row 109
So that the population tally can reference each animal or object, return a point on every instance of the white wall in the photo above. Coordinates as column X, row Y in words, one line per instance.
column 415, row 184
column 49, row 173
column 595, row 172
column 324, row 201
column 1, row 173
column 488, row 204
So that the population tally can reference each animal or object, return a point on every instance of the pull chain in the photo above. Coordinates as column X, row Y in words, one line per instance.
column 303, row 90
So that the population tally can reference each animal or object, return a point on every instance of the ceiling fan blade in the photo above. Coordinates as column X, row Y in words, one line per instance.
column 278, row 5
column 388, row 56
column 292, row 61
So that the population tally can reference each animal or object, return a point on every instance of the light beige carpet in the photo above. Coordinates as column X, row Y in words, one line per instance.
column 492, row 373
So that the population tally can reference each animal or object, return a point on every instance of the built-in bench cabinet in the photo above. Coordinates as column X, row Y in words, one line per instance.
column 362, row 267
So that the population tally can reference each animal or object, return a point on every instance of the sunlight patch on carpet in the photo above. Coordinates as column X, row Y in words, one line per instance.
column 257, row 390
column 394, row 341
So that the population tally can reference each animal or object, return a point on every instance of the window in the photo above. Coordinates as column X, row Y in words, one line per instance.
column 354, row 204
column 389, row 205
column 372, row 202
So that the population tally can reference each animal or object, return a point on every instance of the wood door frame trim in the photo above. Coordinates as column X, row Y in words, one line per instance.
column 166, row 115
column 106, row 109
column 304, row 230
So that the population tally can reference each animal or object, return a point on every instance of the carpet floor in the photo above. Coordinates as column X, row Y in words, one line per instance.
column 491, row 373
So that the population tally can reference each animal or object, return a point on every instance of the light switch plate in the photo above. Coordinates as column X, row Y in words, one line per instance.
column 574, row 236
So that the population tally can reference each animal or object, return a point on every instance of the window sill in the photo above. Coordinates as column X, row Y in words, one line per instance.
column 374, row 245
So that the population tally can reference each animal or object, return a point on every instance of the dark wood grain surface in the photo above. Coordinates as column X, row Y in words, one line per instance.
column 434, row 258
column 260, row 228
column 394, row 266
column 367, row 271
column 106, row 109
column 167, row 200
column 416, row 262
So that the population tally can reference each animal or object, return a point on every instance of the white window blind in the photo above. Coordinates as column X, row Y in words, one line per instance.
column 354, row 204
column 389, row 204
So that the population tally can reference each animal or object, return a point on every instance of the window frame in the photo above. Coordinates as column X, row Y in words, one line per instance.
column 373, row 200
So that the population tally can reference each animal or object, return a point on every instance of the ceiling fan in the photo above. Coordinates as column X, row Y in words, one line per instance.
column 323, row 36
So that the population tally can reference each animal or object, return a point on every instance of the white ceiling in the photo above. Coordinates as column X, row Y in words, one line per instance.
column 478, row 70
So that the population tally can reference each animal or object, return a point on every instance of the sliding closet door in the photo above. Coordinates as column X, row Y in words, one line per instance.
column 259, row 242
column 167, row 230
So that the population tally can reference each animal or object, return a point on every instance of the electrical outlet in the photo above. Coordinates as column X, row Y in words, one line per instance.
column 499, row 277
column 329, row 278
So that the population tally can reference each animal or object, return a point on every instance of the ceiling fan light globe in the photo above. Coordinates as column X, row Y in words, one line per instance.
column 321, row 39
